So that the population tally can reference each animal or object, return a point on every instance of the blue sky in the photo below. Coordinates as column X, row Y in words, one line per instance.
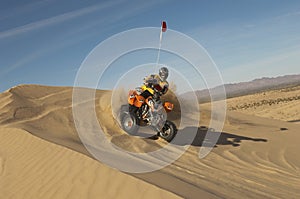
column 45, row 41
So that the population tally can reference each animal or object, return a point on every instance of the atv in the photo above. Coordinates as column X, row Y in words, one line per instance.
column 138, row 113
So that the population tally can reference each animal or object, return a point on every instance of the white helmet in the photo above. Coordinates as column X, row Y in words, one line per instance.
column 163, row 73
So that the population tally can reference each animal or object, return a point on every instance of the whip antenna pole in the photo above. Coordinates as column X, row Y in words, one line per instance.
column 163, row 29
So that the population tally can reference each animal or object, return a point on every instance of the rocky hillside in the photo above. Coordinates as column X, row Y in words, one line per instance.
column 255, row 86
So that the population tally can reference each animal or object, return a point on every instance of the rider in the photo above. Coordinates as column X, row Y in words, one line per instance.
column 155, row 86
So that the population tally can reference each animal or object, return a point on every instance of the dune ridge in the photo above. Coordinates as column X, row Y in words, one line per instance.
column 254, row 157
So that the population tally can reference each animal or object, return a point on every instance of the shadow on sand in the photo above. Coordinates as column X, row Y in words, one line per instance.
column 185, row 136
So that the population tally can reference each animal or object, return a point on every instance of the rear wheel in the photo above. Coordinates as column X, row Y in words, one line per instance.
column 129, row 124
column 169, row 131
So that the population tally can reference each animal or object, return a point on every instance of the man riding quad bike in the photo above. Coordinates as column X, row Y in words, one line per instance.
column 145, row 107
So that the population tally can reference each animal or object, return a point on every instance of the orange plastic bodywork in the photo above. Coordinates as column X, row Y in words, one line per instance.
column 138, row 100
column 168, row 106
column 135, row 99
column 131, row 97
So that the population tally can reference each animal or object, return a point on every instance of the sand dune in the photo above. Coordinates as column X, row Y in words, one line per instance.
column 254, row 157
column 281, row 104
column 34, row 168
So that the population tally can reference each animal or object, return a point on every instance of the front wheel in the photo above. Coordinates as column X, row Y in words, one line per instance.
column 129, row 123
column 169, row 131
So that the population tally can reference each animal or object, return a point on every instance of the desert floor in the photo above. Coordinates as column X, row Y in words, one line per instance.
column 41, row 155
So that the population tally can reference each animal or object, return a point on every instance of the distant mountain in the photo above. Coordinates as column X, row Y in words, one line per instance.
column 254, row 86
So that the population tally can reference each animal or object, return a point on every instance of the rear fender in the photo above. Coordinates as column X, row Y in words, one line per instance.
column 168, row 106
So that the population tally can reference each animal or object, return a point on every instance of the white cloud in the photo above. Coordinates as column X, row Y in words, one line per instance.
column 57, row 19
column 289, row 14
column 60, row 43
column 19, row 63
column 30, row 7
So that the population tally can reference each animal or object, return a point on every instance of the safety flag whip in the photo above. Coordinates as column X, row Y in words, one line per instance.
column 163, row 29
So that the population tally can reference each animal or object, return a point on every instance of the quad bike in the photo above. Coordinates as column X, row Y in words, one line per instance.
column 138, row 113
